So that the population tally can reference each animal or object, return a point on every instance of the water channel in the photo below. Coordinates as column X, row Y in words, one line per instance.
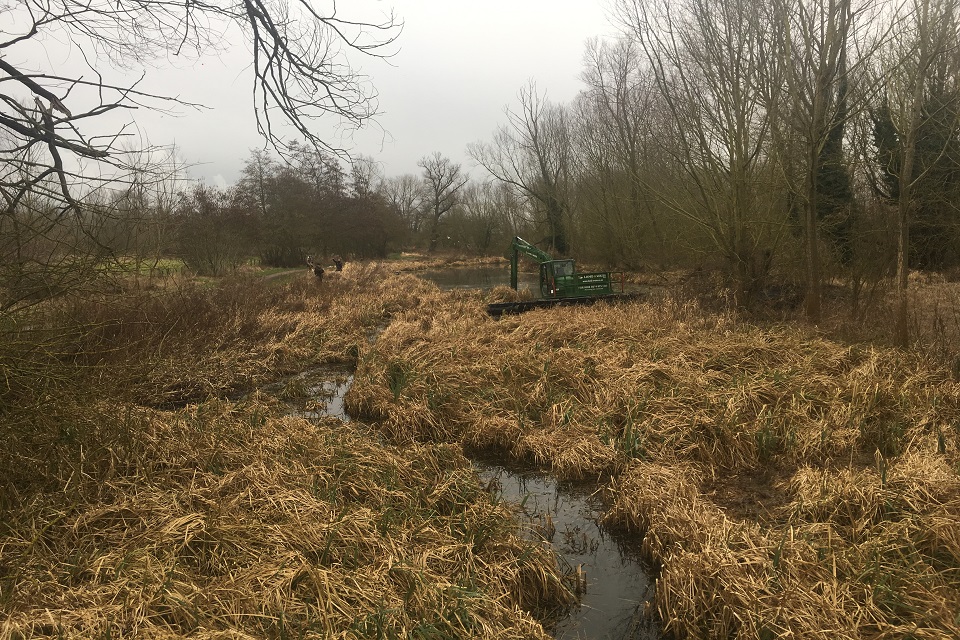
column 618, row 586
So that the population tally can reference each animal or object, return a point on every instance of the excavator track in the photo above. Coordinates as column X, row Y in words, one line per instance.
column 498, row 309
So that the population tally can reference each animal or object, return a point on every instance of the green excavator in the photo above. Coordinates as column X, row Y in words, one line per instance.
column 559, row 282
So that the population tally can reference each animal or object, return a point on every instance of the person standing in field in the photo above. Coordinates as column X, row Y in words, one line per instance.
column 315, row 267
column 338, row 263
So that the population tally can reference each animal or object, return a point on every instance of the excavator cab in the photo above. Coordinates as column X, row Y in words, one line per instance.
column 556, row 278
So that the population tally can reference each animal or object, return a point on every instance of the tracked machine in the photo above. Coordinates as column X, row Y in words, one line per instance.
column 560, row 284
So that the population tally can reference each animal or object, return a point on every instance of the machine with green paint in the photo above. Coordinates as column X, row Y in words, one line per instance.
column 560, row 283
column 558, row 278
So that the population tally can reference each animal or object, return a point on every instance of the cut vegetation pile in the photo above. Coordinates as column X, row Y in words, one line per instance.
column 122, row 515
column 786, row 485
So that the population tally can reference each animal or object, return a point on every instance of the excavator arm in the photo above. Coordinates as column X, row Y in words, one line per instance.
column 522, row 246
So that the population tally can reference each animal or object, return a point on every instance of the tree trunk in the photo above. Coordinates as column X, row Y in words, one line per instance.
column 558, row 236
column 434, row 235
column 902, row 331
column 906, row 178
column 812, row 305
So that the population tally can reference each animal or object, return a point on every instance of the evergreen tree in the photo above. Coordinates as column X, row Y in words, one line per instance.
column 934, row 234
column 835, row 202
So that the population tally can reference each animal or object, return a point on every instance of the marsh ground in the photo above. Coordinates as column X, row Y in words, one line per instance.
column 784, row 481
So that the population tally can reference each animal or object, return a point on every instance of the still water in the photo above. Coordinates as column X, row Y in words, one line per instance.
column 618, row 586
column 496, row 276
column 316, row 393
column 480, row 278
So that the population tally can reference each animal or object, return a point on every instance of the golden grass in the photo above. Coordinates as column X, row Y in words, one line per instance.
column 830, row 568
column 229, row 520
column 786, row 485
column 192, row 343
column 179, row 343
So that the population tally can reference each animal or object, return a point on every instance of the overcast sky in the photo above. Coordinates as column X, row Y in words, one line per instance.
column 459, row 64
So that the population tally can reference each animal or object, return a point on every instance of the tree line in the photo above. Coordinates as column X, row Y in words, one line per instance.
column 795, row 141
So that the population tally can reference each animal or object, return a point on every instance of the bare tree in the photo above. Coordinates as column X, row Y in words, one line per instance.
column 815, row 40
column 212, row 237
column 321, row 170
column 442, row 180
column 142, row 222
column 921, row 101
column 532, row 153
column 706, row 57
column 407, row 197
column 821, row 49
column 59, row 147
column 614, row 150
column 487, row 210
column 298, row 63
column 366, row 176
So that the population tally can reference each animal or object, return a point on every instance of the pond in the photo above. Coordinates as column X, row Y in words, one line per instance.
column 486, row 277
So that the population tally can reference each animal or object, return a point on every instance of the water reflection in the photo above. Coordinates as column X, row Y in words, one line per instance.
column 617, row 585
column 479, row 278
column 496, row 276
column 315, row 393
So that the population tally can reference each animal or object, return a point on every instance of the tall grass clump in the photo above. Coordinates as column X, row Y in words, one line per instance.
column 785, row 484
column 230, row 519
column 145, row 492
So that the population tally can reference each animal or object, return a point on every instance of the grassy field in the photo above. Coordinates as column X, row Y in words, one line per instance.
column 138, row 500
column 784, row 483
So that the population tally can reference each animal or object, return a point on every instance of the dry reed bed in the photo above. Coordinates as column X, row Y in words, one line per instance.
column 935, row 311
column 228, row 520
column 168, row 346
column 251, row 333
column 852, row 448
column 413, row 262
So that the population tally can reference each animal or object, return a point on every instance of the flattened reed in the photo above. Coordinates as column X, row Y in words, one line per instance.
column 229, row 520
column 786, row 485
column 165, row 347
column 197, row 342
